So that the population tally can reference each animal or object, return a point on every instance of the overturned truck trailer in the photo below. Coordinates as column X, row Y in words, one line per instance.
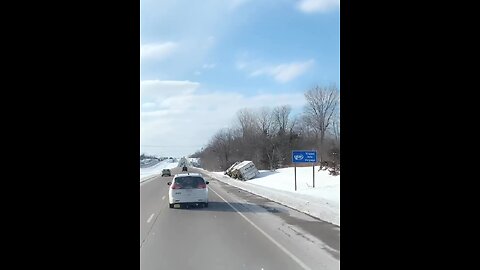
column 244, row 170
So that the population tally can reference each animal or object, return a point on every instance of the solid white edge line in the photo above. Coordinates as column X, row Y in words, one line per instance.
column 297, row 260
column 150, row 218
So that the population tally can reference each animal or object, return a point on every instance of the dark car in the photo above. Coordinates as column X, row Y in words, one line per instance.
column 166, row 172
column 184, row 169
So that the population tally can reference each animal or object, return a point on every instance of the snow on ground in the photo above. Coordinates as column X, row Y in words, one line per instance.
column 193, row 161
column 146, row 173
column 326, row 185
column 148, row 162
column 322, row 202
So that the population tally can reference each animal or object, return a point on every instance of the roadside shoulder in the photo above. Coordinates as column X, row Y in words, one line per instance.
column 315, row 207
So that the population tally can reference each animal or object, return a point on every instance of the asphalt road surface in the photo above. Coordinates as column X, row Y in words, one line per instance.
column 238, row 230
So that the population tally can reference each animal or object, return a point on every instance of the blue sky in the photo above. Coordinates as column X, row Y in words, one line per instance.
column 201, row 61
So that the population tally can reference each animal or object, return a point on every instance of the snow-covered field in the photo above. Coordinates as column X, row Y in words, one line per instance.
column 146, row 173
column 194, row 161
column 322, row 202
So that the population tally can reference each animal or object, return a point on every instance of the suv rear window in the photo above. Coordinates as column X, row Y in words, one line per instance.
column 189, row 181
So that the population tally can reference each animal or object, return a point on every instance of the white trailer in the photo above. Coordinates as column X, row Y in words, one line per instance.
column 245, row 170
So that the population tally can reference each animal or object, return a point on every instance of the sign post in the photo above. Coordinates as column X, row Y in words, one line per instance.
column 295, row 176
column 304, row 156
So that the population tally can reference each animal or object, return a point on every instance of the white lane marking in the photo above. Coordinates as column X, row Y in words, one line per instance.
column 163, row 198
column 150, row 218
column 297, row 260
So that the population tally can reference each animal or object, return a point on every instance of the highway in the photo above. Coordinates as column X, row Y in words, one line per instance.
column 238, row 230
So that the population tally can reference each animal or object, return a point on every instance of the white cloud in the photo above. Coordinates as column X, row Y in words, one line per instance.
column 284, row 72
column 188, row 118
column 148, row 105
column 211, row 40
column 240, row 65
column 156, row 88
column 208, row 66
column 310, row 6
column 237, row 3
column 155, row 92
column 157, row 51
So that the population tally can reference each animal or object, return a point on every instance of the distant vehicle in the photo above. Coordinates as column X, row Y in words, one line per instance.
column 184, row 169
column 188, row 189
column 166, row 172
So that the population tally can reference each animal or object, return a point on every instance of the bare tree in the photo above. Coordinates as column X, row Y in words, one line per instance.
column 222, row 145
column 265, row 120
column 247, row 120
column 281, row 115
column 309, row 126
column 265, row 143
column 267, row 135
column 249, row 140
column 321, row 105
column 336, row 128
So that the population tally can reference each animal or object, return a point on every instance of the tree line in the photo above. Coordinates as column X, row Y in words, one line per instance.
column 147, row 156
column 267, row 135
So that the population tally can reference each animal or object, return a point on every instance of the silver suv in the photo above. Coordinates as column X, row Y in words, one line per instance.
column 166, row 172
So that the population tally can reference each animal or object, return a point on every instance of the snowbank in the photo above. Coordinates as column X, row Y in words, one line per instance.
column 322, row 202
column 147, row 173
column 195, row 162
